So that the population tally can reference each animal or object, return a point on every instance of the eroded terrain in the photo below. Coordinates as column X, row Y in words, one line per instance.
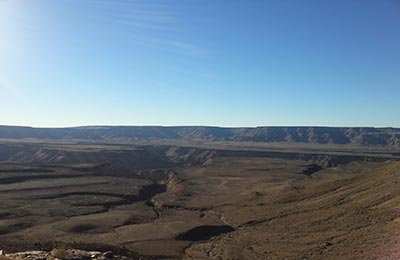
column 200, row 200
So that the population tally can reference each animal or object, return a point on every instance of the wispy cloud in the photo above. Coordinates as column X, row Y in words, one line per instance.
column 188, row 48
column 174, row 46
column 143, row 14
column 139, row 24
column 150, row 22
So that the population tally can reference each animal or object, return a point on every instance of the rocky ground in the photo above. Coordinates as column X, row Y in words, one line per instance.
column 175, row 203
column 66, row 254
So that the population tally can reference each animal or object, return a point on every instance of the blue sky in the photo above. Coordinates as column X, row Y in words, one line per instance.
column 208, row 62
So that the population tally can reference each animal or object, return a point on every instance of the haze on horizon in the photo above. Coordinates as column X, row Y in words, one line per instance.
column 225, row 63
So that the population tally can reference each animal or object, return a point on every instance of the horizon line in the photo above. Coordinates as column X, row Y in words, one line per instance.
column 208, row 126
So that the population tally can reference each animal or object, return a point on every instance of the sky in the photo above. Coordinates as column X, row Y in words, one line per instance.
column 209, row 62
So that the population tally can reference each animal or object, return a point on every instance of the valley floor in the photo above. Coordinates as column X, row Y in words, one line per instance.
column 201, row 204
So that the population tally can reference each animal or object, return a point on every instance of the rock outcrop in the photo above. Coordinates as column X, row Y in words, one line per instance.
column 66, row 254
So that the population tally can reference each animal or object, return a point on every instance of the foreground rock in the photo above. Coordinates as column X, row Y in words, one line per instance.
column 66, row 254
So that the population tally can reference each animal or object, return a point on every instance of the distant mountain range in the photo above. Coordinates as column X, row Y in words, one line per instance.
column 314, row 135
